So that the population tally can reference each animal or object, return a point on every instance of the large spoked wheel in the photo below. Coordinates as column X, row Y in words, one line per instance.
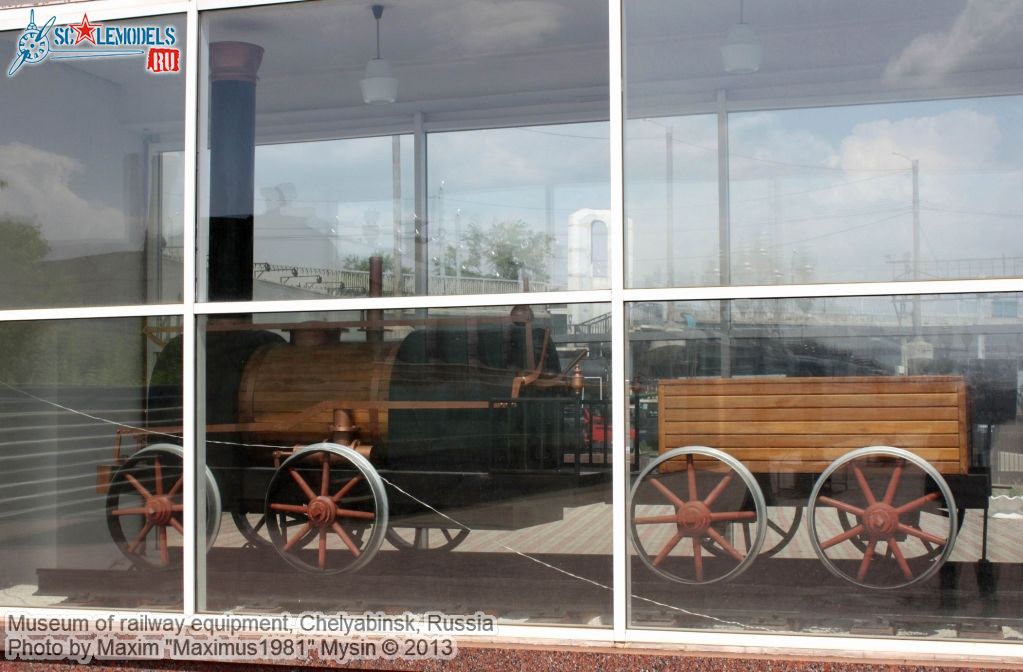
column 781, row 529
column 252, row 527
column 849, row 521
column 435, row 539
column 145, row 507
column 665, row 507
column 902, row 513
column 331, row 495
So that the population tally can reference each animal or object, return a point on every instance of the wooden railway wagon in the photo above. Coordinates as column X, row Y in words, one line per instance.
column 323, row 448
column 880, row 465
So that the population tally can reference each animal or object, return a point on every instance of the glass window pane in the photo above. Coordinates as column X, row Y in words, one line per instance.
column 857, row 142
column 355, row 204
column 528, row 214
column 671, row 201
column 80, row 428
column 901, row 191
column 450, row 459
column 477, row 174
column 90, row 171
column 855, row 465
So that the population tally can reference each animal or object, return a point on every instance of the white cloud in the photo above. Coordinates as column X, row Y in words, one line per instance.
column 39, row 190
column 520, row 157
column 853, row 218
column 761, row 144
column 959, row 139
column 486, row 26
column 928, row 58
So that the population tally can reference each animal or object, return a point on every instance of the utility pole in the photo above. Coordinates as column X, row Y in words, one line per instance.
column 669, row 215
column 917, row 350
column 396, row 227
column 917, row 327
column 441, row 233
column 458, row 247
column 669, row 205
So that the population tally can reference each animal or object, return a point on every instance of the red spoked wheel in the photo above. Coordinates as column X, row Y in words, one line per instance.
column 426, row 537
column 666, row 507
column 330, row 494
column 782, row 527
column 145, row 507
column 893, row 526
column 252, row 527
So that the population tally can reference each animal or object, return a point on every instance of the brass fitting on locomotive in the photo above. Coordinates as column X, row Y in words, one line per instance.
column 345, row 431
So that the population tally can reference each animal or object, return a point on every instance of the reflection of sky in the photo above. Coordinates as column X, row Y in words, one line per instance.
column 311, row 195
column 823, row 194
column 313, row 199
column 75, row 141
column 538, row 175
column 856, row 312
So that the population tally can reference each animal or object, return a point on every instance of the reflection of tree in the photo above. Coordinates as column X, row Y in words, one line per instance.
column 77, row 352
column 71, row 352
column 355, row 262
column 669, row 361
column 504, row 250
column 24, row 280
column 773, row 355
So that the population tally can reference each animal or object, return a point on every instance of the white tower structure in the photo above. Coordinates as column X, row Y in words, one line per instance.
column 589, row 255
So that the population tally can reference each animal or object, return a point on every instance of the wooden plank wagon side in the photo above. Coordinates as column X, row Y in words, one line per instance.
column 878, row 463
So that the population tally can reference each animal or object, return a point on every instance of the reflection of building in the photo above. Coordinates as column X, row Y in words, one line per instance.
column 589, row 249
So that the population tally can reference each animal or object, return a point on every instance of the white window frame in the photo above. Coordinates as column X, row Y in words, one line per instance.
column 617, row 297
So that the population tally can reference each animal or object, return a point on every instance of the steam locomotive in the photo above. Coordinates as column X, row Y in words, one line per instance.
column 322, row 442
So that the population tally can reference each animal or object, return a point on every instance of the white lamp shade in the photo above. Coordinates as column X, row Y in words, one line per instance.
column 378, row 85
column 741, row 51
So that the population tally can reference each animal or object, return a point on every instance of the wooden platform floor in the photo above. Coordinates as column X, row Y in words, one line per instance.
column 792, row 592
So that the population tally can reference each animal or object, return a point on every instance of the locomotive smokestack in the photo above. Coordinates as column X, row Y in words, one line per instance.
column 233, row 67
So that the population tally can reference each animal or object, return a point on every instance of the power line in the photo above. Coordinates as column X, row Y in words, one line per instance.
column 1011, row 215
column 814, row 218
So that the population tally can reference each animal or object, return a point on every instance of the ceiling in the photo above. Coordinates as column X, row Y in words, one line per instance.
column 467, row 63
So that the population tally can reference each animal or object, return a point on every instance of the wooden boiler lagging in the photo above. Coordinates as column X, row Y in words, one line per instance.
column 281, row 381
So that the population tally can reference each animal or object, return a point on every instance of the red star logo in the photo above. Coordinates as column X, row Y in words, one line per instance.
column 85, row 30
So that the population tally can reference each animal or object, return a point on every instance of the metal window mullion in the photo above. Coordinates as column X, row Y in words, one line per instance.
column 935, row 652
column 724, row 232
column 193, row 487
column 619, row 384
column 401, row 302
column 88, row 312
column 420, row 221
column 827, row 290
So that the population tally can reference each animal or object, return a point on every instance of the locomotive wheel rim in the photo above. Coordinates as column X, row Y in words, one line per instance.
column 319, row 523
column 736, row 467
column 250, row 532
column 935, row 561
column 451, row 541
column 158, row 509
